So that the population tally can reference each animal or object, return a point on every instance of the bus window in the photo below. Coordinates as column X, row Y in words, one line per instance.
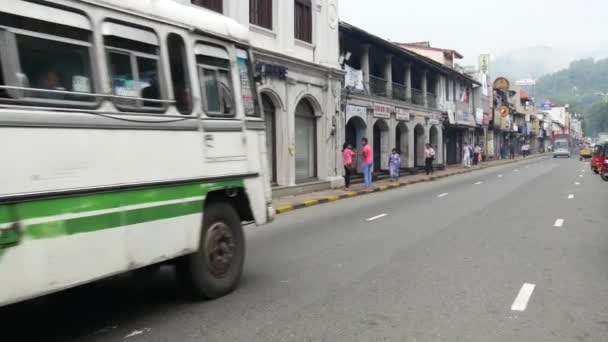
column 179, row 73
column 216, row 84
column 52, row 60
column 248, row 92
column 134, row 70
column 3, row 92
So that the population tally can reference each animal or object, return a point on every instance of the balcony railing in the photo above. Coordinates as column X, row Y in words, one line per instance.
column 399, row 92
column 417, row 97
column 377, row 86
column 432, row 100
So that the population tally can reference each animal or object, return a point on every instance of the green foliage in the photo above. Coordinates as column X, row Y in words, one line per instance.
column 584, row 85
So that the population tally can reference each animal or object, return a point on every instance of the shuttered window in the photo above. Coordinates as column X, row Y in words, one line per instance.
column 214, row 5
column 303, row 20
column 260, row 13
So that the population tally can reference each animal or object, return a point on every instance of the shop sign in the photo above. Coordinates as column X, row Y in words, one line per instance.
column 486, row 120
column 502, row 84
column 465, row 118
column 271, row 70
column 451, row 117
column 383, row 111
column 479, row 115
column 402, row 114
column 434, row 118
column 504, row 118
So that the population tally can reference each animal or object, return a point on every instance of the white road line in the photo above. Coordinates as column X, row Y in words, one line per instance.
column 442, row 195
column 570, row 196
column 558, row 223
column 577, row 183
column 376, row 217
column 499, row 176
column 478, row 183
column 523, row 297
column 580, row 176
column 515, row 170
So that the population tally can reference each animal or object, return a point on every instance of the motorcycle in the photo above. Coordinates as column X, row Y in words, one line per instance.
column 602, row 163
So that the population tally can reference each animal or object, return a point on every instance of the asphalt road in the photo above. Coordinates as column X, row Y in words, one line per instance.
column 439, row 261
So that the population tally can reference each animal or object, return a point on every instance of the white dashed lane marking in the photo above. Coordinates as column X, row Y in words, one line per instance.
column 376, row 217
column 523, row 297
column 570, row 196
column 443, row 195
column 559, row 223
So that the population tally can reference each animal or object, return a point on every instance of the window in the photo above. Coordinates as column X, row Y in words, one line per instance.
column 303, row 20
column 214, row 5
column 216, row 85
column 260, row 13
column 250, row 103
column 179, row 74
column 133, row 65
column 52, row 61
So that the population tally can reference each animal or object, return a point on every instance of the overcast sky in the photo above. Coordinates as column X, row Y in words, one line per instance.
column 484, row 26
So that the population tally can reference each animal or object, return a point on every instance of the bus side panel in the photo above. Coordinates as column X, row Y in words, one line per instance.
column 258, row 189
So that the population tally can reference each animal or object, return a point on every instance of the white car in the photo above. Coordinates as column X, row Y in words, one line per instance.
column 561, row 152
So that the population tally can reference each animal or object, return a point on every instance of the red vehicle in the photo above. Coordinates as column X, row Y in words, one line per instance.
column 598, row 157
column 602, row 163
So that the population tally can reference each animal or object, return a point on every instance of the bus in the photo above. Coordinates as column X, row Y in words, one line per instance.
column 132, row 137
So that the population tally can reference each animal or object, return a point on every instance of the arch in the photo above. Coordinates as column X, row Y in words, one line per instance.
column 402, row 142
column 275, row 97
column 419, row 141
column 381, row 145
column 355, row 130
column 312, row 101
column 305, row 141
column 434, row 136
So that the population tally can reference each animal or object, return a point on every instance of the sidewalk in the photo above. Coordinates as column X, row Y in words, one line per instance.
column 289, row 203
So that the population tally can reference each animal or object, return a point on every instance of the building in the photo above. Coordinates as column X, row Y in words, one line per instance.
column 296, row 52
column 393, row 97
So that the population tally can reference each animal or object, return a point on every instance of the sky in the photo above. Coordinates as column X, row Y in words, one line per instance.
column 484, row 26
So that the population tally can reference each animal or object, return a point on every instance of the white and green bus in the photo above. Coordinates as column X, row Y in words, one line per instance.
column 131, row 137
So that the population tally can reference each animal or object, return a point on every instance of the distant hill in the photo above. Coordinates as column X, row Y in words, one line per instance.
column 536, row 61
column 583, row 85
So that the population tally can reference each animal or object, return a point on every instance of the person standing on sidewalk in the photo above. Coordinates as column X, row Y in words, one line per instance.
column 429, row 157
column 347, row 160
column 466, row 157
column 368, row 163
column 477, row 154
column 394, row 164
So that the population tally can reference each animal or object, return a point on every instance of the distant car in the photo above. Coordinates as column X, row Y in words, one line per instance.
column 561, row 148
column 561, row 152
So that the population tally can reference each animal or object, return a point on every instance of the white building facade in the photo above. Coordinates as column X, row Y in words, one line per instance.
column 296, row 51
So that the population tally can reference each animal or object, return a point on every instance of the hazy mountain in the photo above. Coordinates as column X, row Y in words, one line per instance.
column 534, row 62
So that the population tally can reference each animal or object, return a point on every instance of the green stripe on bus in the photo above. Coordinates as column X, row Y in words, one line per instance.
column 111, row 220
column 110, row 200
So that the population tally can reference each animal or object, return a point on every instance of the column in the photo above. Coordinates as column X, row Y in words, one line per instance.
column 411, row 162
column 365, row 66
column 388, row 75
column 408, row 82
column 424, row 89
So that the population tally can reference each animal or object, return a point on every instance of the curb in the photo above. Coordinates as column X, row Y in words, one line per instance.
column 315, row 202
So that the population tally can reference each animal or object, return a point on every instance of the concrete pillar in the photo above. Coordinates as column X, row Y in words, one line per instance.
column 408, row 82
column 388, row 75
column 410, row 144
column 365, row 65
column 424, row 88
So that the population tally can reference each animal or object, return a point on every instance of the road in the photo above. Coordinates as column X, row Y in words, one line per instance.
column 511, row 253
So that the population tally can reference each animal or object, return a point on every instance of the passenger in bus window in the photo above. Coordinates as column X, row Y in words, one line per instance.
column 183, row 99
column 52, row 81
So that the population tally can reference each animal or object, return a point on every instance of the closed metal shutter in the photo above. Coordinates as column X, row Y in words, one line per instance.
column 305, row 142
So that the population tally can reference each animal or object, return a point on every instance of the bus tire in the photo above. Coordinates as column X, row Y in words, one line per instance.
column 604, row 176
column 215, row 269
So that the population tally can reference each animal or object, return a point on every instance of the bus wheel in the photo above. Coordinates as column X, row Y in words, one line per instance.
column 604, row 176
column 215, row 269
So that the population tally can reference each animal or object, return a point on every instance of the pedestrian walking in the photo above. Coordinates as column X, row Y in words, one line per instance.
column 368, row 163
column 466, row 157
column 347, row 160
column 394, row 163
column 429, row 157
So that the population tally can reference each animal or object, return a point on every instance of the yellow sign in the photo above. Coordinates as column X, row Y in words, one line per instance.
column 484, row 63
column 502, row 84
column 536, row 126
